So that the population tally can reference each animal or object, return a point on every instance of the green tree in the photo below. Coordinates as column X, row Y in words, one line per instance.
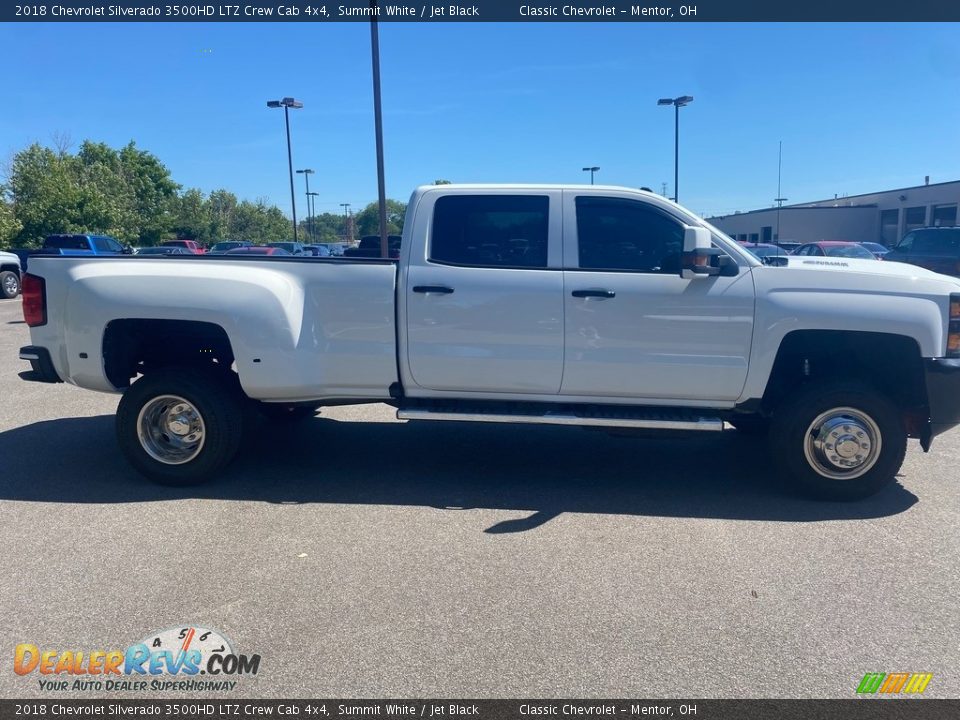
column 368, row 220
column 153, row 193
column 223, row 209
column 9, row 225
column 45, row 194
column 192, row 216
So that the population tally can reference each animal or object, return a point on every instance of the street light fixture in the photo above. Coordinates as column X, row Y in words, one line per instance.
column 307, row 172
column 287, row 103
column 591, row 170
column 677, row 104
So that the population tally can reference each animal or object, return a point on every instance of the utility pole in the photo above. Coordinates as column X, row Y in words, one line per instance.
column 779, row 200
column 378, row 126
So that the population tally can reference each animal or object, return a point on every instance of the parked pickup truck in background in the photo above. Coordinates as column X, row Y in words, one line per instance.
column 82, row 245
column 574, row 305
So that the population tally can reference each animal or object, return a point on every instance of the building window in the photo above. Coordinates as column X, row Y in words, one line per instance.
column 914, row 218
column 944, row 215
column 754, row 238
column 889, row 227
column 742, row 237
column 767, row 232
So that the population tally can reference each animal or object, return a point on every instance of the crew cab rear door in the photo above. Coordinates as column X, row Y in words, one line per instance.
column 483, row 292
column 634, row 327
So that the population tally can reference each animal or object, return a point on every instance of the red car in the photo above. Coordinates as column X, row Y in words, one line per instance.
column 257, row 250
column 835, row 248
column 191, row 246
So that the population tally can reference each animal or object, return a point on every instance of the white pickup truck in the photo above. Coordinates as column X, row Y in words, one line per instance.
column 573, row 305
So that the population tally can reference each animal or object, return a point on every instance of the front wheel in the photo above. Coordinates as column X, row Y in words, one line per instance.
column 179, row 426
column 839, row 440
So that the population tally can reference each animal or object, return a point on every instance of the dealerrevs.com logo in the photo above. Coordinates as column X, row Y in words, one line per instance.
column 172, row 659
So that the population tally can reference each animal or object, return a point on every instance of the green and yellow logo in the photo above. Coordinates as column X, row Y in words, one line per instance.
column 893, row 683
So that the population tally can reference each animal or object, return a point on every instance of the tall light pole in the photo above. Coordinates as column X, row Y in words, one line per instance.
column 677, row 104
column 287, row 103
column 378, row 126
column 591, row 170
column 347, row 225
column 307, row 172
column 779, row 200
column 312, row 208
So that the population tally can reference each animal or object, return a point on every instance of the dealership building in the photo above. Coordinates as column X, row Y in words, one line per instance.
column 883, row 217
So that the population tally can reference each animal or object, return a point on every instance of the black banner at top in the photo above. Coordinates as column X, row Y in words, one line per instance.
column 484, row 11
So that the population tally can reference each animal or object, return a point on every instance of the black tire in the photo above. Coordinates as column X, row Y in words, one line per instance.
column 210, row 395
column 286, row 414
column 809, row 467
column 753, row 425
column 9, row 284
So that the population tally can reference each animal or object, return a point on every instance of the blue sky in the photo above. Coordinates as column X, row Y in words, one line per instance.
column 859, row 107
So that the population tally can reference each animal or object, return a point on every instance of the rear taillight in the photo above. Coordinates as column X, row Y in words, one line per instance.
column 953, row 329
column 34, row 292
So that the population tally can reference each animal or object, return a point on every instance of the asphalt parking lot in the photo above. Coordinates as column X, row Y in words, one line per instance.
column 365, row 557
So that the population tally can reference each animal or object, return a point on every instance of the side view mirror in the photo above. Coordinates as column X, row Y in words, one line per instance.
column 697, row 251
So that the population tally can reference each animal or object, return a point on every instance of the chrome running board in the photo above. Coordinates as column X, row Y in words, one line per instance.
column 655, row 419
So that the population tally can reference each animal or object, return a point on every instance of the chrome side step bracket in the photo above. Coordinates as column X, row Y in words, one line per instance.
column 659, row 420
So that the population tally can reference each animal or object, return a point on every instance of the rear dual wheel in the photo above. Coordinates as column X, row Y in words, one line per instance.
column 180, row 426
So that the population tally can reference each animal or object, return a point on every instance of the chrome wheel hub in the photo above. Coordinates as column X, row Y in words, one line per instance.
column 171, row 430
column 842, row 443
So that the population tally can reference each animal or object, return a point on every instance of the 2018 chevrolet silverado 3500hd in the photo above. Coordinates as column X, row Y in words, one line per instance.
column 572, row 305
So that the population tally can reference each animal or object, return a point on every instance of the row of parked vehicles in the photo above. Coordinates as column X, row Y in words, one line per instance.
column 933, row 248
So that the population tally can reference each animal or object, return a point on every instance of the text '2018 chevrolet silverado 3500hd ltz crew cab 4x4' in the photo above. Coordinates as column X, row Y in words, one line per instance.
column 574, row 305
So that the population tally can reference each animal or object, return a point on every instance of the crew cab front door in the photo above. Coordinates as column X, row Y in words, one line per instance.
column 634, row 327
column 483, row 293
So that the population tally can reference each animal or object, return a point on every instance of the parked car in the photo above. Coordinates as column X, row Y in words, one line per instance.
column 221, row 247
column 292, row 248
column 834, row 248
column 518, row 304
column 9, row 275
column 877, row 249
column 316, row 250
column 258, row 250
column 191, row 246
column 370, row 247
column 788, row 245
column 164, row 250
column 766, row 252
column 934, row 248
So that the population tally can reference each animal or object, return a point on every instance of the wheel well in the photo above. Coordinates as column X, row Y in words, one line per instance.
column 131, row 347
column 11, row 268
column 891, row 363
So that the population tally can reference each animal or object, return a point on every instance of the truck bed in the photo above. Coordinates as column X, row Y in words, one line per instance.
column 300, row 328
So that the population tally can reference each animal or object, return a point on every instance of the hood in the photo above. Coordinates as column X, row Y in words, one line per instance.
column 8, row 257
column 859, row 266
